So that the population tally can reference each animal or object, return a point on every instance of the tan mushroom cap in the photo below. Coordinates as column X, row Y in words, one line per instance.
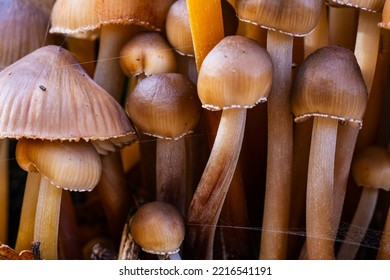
column 385, row 23
column 158, row 228
column 236, row 73
column 293, row 17
column 371, row 168
column 374, row 6
column 47, row 95
column 148, row 53
column 329, row 83
column 23, row 29
column 74, row 166
column 164, row 105
column 75, row 16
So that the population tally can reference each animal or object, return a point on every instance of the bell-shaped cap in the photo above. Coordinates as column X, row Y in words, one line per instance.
column 374, row 6
column 164, row 105
column 385, row 23
column 329, row 83
column 158, row 228
column 236, row 73
column 293, row 17
column 47, row 95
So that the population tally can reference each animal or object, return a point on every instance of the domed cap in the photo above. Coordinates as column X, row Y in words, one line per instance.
column 75, row 16
column 367, row 5
column 329, row 83
column 371, row 168
column 293, row 17
column 148, row 53
column 47, row 95
column 236, row 73
column 164, row 105
column 385, row 23
column 158, row 228
column 74, row 166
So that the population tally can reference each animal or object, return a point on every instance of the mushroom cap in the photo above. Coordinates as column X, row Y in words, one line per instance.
column 236, row 73
column 148, row 53
column 374, row 6
column 74, row 16
column 329, row 83
column 74, row 166
column 164, row 105
column 385, row 23
column 158, row 228
column 47, row 95
column 18, row 19
column 371, row 168
column 293, row 17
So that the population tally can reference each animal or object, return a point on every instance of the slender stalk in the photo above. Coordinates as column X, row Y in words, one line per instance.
column 27, row 217
column 171, row 172
column 319, row 221
column 279, row 152
column 4, row 190
column 210, row 194
column 384, row 247
column 361, row 220
column 47, row 221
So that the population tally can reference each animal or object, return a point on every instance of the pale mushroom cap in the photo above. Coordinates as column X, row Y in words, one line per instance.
column 148, row 53
column 158, row 228
column 371, row 168
column 385, row 23
column 47, row 95
column 236, row 73
column 367, row 5
column 74, row 166
column 75, row 16
column 164, row 105
column 329, row 83
column 18, row 19
column 293, row 17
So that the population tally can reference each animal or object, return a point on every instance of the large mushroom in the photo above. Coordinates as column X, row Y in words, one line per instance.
column 49, row 84
column 329, row 87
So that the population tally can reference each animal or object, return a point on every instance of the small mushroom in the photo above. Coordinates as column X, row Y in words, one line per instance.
column 158, row 228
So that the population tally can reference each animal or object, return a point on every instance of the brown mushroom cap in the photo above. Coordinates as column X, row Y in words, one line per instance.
column 75, row 16
column 293, row 17
column 329, row 83
column 371, row 168
column 47, row 95
column 68, row 165
column 237, row 73
column 158, row 228
column 164, row 105
column 367, row 5
column 385, row 23
column 148, row 53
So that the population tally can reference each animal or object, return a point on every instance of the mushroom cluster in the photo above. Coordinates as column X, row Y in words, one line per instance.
column 187, row 129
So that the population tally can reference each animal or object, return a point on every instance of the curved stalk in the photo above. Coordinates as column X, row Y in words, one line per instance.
column 319, row 220
column 279, row 151
column 210, row 194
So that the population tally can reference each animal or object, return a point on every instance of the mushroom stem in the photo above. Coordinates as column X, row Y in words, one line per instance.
column 4, row 189
column 279, row 151
column 361, row 220
column 319, row 220
column 210, row 194
column 27, row 217
column 47, row 222
column 384, row 247
column 171, row 172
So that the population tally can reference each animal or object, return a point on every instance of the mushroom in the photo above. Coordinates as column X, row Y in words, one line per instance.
column 329, row 87
column 158, row 228
column 283, row 19
column 18, row 40
column 234, row 76
column 384, row 246
column 49, row 84
column 371, row 170
column 167, row 107
column 366, row 52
